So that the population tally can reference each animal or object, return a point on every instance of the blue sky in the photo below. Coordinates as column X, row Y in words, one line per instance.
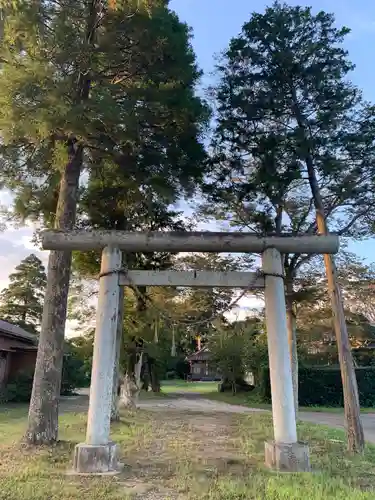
column 214, row 22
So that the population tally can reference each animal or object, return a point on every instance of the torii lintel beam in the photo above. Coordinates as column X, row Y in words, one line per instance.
column 137, row 241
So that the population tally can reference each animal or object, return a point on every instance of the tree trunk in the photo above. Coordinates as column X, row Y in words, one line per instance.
column 137, row 378
column 292, row 341
column 173, row 346
column 353, row 422
column 126, row 393
column 146, row 381
column 115, row 412
column 43, row 411
column 354, row 429
column 131, row 382
column 155, row 382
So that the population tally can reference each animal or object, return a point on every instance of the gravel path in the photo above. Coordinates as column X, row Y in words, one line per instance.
column 197, row 402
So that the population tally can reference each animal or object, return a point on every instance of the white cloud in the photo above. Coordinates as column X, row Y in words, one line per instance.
column 245, row 308
column 15, row 245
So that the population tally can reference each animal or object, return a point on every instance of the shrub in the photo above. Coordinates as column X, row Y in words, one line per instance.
column 227, row 355
column 73, row 374
column 264, row 385
column 182, row 368
column 323, row 386
column 18, row 388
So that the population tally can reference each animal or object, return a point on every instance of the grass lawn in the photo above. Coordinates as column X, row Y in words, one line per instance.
column 180, row 386
column 182, row 455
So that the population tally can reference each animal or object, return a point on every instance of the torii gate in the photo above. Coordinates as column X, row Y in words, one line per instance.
column 98, row 454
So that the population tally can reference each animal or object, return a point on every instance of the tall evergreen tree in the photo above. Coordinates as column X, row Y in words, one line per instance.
column 21, row 303
column 119, row 86
column 283, row 96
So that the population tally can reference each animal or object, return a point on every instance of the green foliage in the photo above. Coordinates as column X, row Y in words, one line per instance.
column 324, row 387
column 179, row 367
column 168, row 308
column 162, row 157
column 357, row 279
column 141, row 114
column 285, row 105
column 80, row 351
column 74, row 374
column 18, row 389
column 228, row 356
column 22, row 300
column 239, row 348
column 314, row 318
column 256, row 349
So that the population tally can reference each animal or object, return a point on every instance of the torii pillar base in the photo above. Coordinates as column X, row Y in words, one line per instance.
column 287, row 457
column 96, row 459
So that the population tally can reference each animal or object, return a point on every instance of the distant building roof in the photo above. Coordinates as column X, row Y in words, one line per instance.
column 17, row 332
column 201, row 355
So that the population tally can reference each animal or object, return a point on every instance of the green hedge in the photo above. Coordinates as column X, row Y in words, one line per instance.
column 323, row 386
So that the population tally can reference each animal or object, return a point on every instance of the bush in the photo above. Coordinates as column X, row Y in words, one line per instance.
column 73, row 374
column 18, row 388
column 323, row 386
column 264, row 388
column 182, row 368
column 227, row 354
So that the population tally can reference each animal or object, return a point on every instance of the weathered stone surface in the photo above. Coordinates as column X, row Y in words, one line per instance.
column 287, row 457
column 182, row 241
column 96, row 459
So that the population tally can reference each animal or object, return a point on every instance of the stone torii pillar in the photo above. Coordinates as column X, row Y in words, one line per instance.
column 98, row 454
column 284, row 453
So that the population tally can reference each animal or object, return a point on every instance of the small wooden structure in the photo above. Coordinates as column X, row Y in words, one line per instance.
column 18, row 350
column 202, row 367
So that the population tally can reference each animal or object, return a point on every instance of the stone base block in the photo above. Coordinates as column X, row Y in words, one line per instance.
column 287, row 457
column 96, row 459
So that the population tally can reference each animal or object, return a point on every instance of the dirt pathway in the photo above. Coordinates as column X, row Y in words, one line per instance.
column 186, row 452
column 185, row 447
column 197, row 403
column 207, row 406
